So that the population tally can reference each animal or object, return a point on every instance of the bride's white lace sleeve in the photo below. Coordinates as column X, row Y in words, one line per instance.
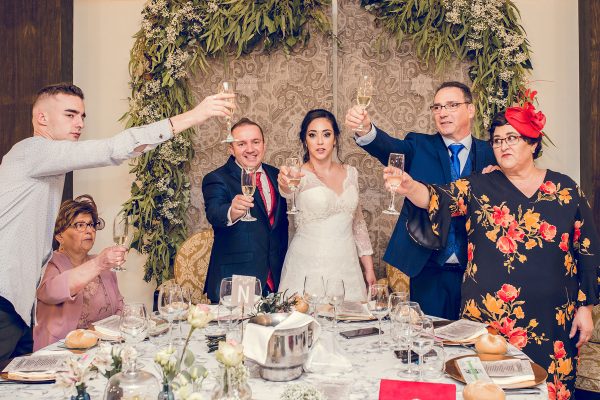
column 359, row 227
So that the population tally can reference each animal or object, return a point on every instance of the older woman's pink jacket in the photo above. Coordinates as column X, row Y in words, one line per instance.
column 57, row 312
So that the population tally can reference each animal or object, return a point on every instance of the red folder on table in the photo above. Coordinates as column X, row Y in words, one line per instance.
column 404, row 390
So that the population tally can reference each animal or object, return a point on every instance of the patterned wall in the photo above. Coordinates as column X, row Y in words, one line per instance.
column 277, row 91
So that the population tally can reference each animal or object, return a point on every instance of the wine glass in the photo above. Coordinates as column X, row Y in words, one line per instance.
column 228, row 86
column 170, row 304
column 248, row 188
column 422, row 343
column 396, row 300
column 409, row 325
column 314, row 290
column 121, row 234
column 335, row 292
column 379, row 304
column 364, row 92
column 133, row 324
column 293, row 175
column 225, row 295
column 394, row 179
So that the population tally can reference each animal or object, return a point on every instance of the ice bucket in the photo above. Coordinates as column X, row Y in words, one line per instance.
column 287, row 349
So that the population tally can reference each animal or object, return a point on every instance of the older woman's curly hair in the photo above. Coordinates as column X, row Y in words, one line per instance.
column 70, row 209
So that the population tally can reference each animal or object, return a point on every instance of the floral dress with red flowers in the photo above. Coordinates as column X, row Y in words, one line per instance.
column 531, row 262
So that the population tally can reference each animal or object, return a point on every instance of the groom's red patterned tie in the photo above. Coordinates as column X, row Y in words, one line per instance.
column 271, row 215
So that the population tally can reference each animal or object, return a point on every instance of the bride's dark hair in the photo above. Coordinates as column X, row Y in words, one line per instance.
column 310, row 117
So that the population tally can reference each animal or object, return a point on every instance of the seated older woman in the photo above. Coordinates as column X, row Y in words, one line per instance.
column 77, row 288
column 533, row 251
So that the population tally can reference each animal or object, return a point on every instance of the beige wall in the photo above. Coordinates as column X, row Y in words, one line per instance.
column 102, row 39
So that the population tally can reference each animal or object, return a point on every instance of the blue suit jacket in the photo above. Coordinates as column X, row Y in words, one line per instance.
column 244, row 248
column 426, row 159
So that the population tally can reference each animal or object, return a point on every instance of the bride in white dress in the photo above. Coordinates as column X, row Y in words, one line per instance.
column 331, row 234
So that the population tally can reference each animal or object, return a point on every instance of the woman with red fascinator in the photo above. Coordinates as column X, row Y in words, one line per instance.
column 533, row 252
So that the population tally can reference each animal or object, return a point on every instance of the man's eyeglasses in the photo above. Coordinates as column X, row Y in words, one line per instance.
column 82, row 226
column 450, row 107
column 509, row 140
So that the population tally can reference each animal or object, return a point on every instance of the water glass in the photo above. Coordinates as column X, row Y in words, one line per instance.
column 133, row 324
column 434, row 361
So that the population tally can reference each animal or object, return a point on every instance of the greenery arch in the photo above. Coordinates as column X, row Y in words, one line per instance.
column 178, row 36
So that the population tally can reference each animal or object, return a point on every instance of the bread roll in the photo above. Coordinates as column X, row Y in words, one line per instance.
column 491, row 344
column 480, row 390
column 80, row 339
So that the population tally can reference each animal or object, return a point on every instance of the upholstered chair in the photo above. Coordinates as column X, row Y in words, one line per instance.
column 191, row 264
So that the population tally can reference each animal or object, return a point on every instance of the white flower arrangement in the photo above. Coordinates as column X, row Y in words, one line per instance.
column 75, row 376
column 302, row 391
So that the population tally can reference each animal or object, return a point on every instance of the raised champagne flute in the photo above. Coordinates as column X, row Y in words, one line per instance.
column 122, row 231
column 394, row 180
column 248, row 188
column 228, row 86
column 293, row 175
column 335, row 293
column 364, row 93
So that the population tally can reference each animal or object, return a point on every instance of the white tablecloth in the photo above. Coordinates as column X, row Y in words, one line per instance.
column 369, row 366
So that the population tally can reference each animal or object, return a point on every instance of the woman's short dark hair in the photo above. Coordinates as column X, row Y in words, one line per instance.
column 70, row 209
column 500, row 120
column 310, row 117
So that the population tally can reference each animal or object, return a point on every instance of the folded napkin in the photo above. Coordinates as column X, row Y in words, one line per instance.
column 256, row 337
column 108, row 328
column 404, row 390
column 326, row 356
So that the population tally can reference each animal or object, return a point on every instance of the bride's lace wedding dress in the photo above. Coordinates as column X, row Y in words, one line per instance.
column 331, row 234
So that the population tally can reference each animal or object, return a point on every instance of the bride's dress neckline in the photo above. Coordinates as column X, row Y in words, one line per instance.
column 344, row 186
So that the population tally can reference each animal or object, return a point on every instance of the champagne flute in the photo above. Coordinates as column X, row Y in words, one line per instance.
column 133, row 324
column 314, row 290
column 293, row 175
column 121, row 234
column 364, row 93
column 170, row 303
column 379, row 305
column 248, row 188
column 335, row 292
column 394, row 180
column 228, row 86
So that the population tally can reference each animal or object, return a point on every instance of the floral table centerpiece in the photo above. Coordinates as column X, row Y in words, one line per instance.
column 232, row 382
column 76, row 377
column 301, row 391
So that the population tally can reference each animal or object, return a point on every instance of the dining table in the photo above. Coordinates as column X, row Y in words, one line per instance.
column 370, row 364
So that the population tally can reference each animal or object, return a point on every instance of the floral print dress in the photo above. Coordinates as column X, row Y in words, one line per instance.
column 531, row 262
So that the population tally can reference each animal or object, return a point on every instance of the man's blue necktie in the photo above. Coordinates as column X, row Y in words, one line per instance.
column 455, row 148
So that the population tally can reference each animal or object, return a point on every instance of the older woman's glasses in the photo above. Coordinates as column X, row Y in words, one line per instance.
column 82, row 226
column 509, row 140
column 451, row 107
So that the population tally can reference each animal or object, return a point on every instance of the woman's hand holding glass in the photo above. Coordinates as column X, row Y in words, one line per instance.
column 289, row 178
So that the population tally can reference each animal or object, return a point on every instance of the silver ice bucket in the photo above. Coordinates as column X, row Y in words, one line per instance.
column 287, row 349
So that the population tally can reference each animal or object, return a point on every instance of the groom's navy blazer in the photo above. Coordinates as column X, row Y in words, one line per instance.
column 244, row 248
column 426, row 159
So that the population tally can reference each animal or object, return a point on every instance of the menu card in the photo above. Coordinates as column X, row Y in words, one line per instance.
column 37, row 363
column 462, row 330
column 501, row 372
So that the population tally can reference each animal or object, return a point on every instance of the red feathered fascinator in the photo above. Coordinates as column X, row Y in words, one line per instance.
column 526, row 120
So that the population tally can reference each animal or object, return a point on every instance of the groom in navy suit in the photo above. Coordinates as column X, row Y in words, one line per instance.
column 451, row 153
column 245, row 248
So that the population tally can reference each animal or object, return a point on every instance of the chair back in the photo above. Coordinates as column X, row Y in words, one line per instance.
column 397, row 280
column 191, row 264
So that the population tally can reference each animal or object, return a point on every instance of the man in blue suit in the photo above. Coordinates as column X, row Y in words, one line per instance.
column 436, row 275
column 245, row 248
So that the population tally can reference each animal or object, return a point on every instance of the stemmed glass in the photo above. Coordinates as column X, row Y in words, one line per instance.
column 410, row 321
column 228, row 86
column 422, row 343
column 225, row 294
column 248, row 188
column 379, row 304
column 394, row 179
column 364, row 92
column 293, row 175
column 170, row 304
column 314, row 290
column 133, row 324
column 121, row 234
column 396, row 300
column 335, row 292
